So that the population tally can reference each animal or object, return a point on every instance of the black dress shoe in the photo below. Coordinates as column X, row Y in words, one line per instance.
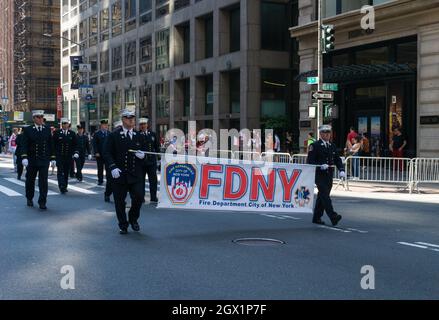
column 319, row 221
column 30, row 203
column 135, row 226
column 107, row 198
column 43, row 207
column 154, row 200
column 63, row 191
column 336, row 220
column 123, row 231
column 100, row 183
column 18, row 178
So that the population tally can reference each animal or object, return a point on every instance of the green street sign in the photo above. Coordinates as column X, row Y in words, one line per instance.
column 313, row 80
column 330, row 86
column 92, row 106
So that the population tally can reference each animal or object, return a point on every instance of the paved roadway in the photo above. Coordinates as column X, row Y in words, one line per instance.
column 190, row 254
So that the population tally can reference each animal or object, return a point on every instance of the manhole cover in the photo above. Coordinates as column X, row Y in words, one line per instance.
column 258, row 242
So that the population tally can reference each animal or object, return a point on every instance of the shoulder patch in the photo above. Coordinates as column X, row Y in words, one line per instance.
column 310, row 148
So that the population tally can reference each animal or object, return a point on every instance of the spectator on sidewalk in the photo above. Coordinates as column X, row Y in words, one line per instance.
column 365, row 145
column 310, row 140
column 397, row 146
column 351, row 135
column 13, row 146
column 355, row 152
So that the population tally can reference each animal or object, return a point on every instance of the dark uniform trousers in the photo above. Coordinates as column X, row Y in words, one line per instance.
column 117, row 155
column 83, row 149
column 150, row 168
column 99, row 140
column 320, row 154
column 37, row 147
column 65, row 147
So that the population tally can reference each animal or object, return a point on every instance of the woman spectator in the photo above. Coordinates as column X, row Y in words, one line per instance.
column 355, row 152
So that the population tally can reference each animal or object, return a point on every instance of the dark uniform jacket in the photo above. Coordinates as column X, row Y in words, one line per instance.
column 37, row 146
column 65, row 145
column 99, row 141
column 19, row 142
column 152, row 145
column 318, row 154
column 117, row 155
column 83, row 145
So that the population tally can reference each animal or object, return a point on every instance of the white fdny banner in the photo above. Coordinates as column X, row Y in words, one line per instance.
column 221, row 184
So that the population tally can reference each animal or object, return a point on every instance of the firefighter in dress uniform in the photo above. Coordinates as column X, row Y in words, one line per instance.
column 65, row 144
column 83, row 147
column 125, row 158
column 152, row 145
column 37, row 152
column 99, row 140
column 323, row 154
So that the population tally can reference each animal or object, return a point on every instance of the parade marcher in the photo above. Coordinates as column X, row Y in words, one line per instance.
column 18, row 151
column 323, row 154
column 37, row 152
column 13, row 146
column 83, row 147
column 72, row 163
column 98, row 146
column 124, row 157
column 152, row 145
column 65, row 144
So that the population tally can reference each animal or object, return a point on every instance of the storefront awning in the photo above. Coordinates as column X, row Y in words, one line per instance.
column 359, row 72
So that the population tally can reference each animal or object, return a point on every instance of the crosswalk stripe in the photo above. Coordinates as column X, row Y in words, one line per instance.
column 428, row 244
column 413, row 245
column 80, row 190
column 22, row 184
column 9, row 192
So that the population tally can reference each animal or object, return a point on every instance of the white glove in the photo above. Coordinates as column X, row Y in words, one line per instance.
column 53, row 163
column 76, row 156
column 140, row 155
column 342, row 174
column 25, row 162
column 324, row 167
column 116, row 173
column 90, row 157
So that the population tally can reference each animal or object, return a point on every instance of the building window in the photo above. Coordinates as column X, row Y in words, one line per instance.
column 130, row 59
column 162, row 8
column 235, row 30
column 182, row 42
column 104, row 61
column 94, row 69
column 145, row 108
column 208, row 28
column 274, row 26
column 130, row 15
column 65, row 74
column 104, row 110
column 93, row 30
column 116, row 18
column 331, row 8
column 65, row 6
column 273, row 93
column 65, row 41
column 179, row 4
column 186, row 97
column 116, row 62
column 105, row 19
column 74, row 39
column 145, row 11
column 372, row 56
column 48, row 57
column 83, row 6
column 83, row 30
column 145, row 54
column 235, row 91
column 47, row 27
column 116, row 99
column 208, row 94
column 162, row 100
column 74, row 112
column 162, row 49
column 130, row 99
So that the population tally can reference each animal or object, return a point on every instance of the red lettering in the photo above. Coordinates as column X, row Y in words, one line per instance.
column 206, row 180
column 258, row 181
column 229, row 194
column 288, row 185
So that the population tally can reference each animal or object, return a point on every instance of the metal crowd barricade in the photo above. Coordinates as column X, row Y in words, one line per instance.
column 247, row 155
column 276, row 157
column 299, row 158
column 423, row 170
column 378, row 169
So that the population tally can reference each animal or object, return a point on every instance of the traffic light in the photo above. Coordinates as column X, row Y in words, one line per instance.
column 328, row 38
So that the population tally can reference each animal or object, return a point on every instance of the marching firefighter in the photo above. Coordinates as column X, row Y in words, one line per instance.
column 152, row 145
column 83, row 147
column 37, row 152
column 99, row 140
column 65, row 144
column 125, row 159
column 324, row 154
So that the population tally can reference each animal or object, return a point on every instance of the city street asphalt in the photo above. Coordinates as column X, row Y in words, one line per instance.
column 182, row 254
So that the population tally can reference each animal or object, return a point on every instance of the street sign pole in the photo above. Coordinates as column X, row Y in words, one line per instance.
column 320, row 68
